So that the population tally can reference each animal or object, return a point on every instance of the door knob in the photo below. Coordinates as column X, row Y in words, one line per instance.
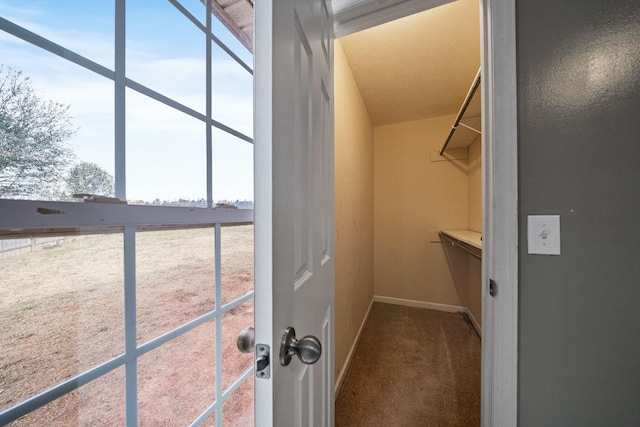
column 308, row 349
column 246, row 341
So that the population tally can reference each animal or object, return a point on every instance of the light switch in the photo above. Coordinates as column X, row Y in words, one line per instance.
column 543, row 234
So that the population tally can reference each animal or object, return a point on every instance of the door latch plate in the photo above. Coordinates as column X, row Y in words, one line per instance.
column 263, row 365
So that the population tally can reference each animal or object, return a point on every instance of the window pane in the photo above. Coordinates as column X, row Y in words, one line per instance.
column 232, row 169
column 86, row 28
column 232, row 92
column 166, row 153
column 175, row 278
column 61, row 310
column 176, row 382
column 196, row 8
column 166, row 52
column 224, row 35
column 235, row 363
column 100, row 402
column 56, row 126
column 210, row 421
column 237, row 262
column 237, row 410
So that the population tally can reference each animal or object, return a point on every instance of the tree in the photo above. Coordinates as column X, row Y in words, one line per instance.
column 34, row 134
column 89, row 178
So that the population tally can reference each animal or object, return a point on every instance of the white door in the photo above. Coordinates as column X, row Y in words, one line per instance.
column 294, row 206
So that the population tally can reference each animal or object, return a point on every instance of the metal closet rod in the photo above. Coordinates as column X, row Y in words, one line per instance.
column 463, row 109
column 461, row 245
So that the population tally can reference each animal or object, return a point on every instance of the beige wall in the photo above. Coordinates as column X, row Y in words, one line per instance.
column 413, row 198
column 353, row 210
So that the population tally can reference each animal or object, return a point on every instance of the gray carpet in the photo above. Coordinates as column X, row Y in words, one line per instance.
column 412, row 367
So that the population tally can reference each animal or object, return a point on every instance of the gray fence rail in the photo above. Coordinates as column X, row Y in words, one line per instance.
column 31, row 243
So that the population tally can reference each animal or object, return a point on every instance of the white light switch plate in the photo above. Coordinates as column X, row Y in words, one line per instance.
column 543, row 234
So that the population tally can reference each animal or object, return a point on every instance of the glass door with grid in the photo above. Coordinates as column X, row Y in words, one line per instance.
column 126, row 236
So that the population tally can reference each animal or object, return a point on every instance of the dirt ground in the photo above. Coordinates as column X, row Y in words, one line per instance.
column 62, row 313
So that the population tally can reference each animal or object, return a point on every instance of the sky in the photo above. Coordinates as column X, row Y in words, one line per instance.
column 166, row 152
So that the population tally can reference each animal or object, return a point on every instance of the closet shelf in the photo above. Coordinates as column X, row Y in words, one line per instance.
column 468, row 124
column 467, row 240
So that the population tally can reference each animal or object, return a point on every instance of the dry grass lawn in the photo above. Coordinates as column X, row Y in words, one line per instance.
column 62, row 313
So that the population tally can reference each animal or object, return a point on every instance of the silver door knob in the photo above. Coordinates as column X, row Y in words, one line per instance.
column 246, row 341
column 308, row 349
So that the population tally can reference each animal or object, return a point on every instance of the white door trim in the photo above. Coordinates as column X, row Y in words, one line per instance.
column 500, row 214
column 350, row 16
column 263, row 196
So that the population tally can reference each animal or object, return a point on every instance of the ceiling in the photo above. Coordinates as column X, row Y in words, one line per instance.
column 419, row 66
column 407, row 69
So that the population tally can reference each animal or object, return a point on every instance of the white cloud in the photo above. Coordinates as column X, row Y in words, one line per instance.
column 86, row 41
column 11, row 11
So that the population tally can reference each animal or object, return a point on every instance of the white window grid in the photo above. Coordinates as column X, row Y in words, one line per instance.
column 22, row 217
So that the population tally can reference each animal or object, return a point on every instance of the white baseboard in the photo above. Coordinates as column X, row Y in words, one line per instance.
column 347, row 363
column 431, row 306
column 420, row 304
column 474, row 322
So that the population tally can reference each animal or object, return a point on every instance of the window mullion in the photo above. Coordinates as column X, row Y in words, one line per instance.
column 218, row 284
column 130, row 334
column 209, row 109
column 119, row 104
column 130, row 327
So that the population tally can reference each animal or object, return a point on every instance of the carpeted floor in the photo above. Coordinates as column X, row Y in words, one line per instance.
column 412, row 367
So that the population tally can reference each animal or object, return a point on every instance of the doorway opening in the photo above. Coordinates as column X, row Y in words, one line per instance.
column 395, row 106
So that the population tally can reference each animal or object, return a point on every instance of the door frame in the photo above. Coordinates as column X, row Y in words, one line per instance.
column 500, row 213
column 500, row 184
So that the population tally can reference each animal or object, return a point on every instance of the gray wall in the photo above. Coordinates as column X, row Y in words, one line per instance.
column 579, row 157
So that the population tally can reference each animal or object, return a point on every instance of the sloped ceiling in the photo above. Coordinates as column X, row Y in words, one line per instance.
column 419, row 66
